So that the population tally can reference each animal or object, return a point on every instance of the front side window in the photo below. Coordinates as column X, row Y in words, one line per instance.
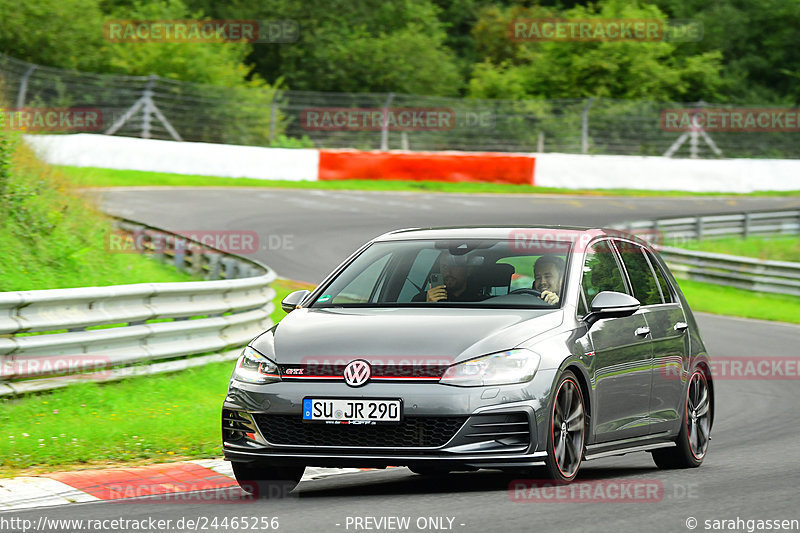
column 665, row 290
column 470, row 272
column 601, row 272
column 644, row 284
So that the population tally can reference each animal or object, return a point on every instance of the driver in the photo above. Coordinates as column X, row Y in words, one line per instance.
column 548, row 271
column 456, row 286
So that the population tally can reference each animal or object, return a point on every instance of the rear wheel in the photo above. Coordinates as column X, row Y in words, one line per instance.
column 695, row 429
column 267, row 481
column 567, row 433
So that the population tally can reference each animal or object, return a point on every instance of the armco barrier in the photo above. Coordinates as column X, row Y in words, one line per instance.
column 152, row 331
column 570, row 171
column 779, row 277
column 202, row 159
column 421, row 166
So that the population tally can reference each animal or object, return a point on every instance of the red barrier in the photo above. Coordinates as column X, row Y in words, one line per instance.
column 426, row 166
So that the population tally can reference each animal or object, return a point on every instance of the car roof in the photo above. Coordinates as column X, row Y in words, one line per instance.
column 552, row 232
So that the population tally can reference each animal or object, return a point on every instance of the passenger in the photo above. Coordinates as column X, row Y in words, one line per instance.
column 457, row 277
column 548, row 273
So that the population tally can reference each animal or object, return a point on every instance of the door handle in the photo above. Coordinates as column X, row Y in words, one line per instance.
column 681, row 326
column 642, row 331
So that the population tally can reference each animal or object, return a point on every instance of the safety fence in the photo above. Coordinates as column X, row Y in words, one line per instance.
column 51, row 338
column 152, row 107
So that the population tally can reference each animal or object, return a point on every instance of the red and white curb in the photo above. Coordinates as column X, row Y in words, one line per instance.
column 63, row 488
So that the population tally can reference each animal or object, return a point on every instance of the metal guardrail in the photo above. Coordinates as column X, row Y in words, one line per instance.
column 50, row 338
column 779, row 277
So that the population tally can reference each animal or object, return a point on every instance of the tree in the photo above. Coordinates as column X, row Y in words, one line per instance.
column 577, row 69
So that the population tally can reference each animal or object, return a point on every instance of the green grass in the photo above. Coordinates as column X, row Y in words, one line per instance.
column 51, row 237
column 155, row 418
column 102, row 177
column 738, row 302
column 776, row 248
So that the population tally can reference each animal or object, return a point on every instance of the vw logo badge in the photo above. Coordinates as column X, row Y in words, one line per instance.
column 357, row 373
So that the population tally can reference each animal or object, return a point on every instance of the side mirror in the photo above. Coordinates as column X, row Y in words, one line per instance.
column 610, row 304
column 293, row 299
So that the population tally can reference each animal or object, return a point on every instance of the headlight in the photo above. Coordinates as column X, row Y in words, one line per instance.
column 503, row 368
column 252, row 367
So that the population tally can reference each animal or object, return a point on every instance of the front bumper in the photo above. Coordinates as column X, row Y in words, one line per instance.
column 443, row 426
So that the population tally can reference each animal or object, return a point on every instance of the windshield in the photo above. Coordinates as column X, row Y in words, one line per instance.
column 472, row 273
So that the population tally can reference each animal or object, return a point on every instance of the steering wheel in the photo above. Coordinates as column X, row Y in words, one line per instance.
column 527, row 291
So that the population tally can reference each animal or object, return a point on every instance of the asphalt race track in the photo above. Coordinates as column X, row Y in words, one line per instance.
column 752, row 470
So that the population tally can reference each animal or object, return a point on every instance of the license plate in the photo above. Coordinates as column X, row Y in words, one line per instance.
column 351, row 411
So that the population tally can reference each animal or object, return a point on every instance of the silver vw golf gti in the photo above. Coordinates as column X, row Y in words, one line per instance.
column 449, row 349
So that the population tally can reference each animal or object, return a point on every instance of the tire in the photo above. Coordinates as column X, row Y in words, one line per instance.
column 693, row 440
column 566, row 437
column 267, row 481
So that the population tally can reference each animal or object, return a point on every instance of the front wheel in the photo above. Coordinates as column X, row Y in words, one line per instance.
column 266, row 481
column 567, row 433
column 695, row 430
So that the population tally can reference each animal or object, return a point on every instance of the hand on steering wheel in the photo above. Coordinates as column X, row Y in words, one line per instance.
column 527, row 291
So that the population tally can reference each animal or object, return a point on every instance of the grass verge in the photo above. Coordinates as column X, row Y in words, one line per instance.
column 52, row 238
column 777, row 248
column 730, row 301
column 103, row 177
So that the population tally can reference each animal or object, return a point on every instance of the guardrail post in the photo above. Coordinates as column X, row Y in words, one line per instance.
column 798, row 221
column 180, row 254
column 213, row 266
column 746, row 227
column 699, row 228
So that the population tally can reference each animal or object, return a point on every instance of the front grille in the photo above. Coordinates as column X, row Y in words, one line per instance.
column 427, row 432
column 408, row 369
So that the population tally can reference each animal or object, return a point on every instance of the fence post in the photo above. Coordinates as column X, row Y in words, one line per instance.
column 540, row 143
column 385, row 125
column 272, row 116
column 23, row 86
column 147, row 113
column 585, row 126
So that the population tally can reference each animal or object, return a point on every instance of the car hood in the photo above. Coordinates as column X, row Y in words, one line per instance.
column 454, row 334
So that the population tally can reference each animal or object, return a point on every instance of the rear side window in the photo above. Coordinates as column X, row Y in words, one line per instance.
column 645, row 287
column 662, row 282
column 601, row 272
